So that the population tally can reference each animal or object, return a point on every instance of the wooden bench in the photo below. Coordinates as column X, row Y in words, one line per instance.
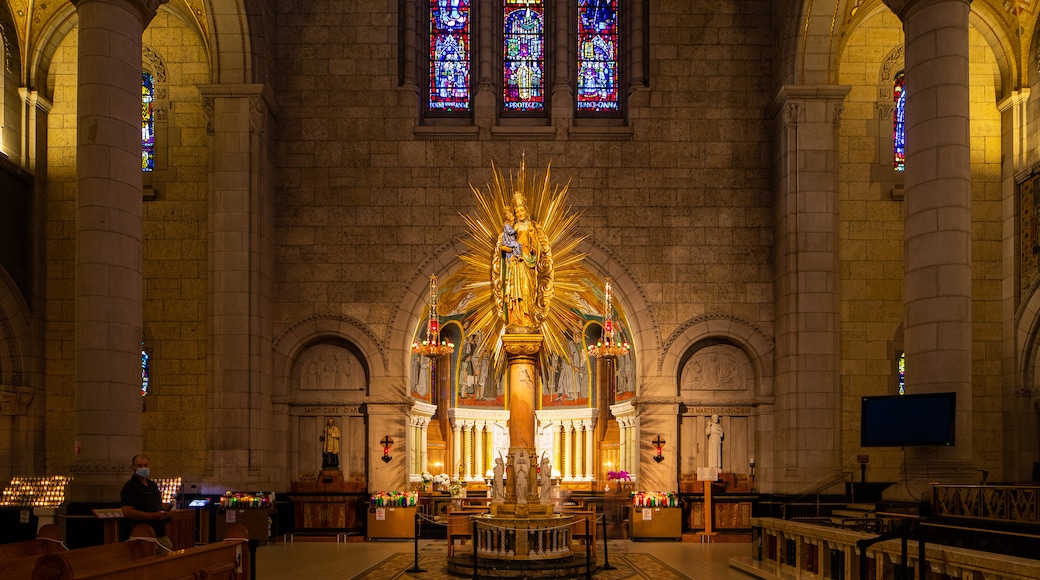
column 226, row 560
column 48, row 539
column 21, row 568
column 18, row 558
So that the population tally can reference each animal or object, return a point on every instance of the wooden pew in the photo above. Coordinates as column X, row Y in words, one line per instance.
column 17, row 559
column 48, row 539
column 22, row 568
column 227, row 560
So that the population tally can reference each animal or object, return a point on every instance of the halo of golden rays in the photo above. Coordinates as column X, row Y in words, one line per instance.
column 547, row 205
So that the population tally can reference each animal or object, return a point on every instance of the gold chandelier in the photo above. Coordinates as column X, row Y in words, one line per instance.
column 608, row 347
column 433, row 346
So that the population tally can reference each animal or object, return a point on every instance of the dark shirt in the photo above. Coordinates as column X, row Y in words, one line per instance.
column 145, row 498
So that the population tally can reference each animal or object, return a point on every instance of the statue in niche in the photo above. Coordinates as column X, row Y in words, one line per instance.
column 715, row 434
column 330, row 445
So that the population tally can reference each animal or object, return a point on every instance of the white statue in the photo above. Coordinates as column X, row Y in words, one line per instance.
column 545, row 480
column 715, row 435
column 498, row 485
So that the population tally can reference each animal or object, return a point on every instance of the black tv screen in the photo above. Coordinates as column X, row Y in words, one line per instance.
column 908, row 420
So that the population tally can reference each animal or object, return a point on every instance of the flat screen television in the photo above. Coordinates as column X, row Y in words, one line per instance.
column 908, row 420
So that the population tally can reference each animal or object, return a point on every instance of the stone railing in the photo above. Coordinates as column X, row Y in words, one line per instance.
column 1018, row 504
column 786, row 549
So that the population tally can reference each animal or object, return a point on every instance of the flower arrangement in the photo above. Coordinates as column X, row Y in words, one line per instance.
column 457, row 488
column 619, row 475
column 426, row 479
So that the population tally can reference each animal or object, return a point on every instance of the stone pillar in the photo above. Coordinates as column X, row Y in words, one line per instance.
column 478, row 468
column 467, row 450
column 456, row 456
column 937, row 224
column 109, row 261
column 568, row 451
column 386, row 418
column 424, row 454
column 808, row 430
column 579, row 450
column 240, row 265
column 590, row 451
column 622, row 445
column 523, row 385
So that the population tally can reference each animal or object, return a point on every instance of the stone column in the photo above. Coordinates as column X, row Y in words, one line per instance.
column 807, row 433
column 109, row 261
column 622, row 445
column 478, row 468
column 467, row 450
column 456, row 455
column 240, row 266
column 523, row 385
column 424, row 455
column 590, row 451
column 568, row 451
column 937, row 223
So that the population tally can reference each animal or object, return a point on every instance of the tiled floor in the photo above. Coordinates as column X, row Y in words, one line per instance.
column 386, row 559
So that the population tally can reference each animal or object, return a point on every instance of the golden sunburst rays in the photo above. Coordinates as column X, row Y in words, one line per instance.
column 562, row 289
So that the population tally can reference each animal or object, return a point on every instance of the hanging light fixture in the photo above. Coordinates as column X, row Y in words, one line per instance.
column 608, row 347
column 433, row 346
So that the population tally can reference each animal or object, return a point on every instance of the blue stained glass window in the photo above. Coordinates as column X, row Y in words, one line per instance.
column 899, row 125
column 597, row 55
column 523, row 57
column 147, row 122
column 902, row 373
column 449, row 55
column 145, row 371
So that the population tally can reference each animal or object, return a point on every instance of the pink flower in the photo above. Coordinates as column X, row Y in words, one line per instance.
column 619, row 475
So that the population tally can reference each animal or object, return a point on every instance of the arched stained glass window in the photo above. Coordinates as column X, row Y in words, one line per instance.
column 449, row 55
column 145, row 372
column 597, row 55
column 899, row 125
column 147, row 122
column 902, row 373
column 523, row 55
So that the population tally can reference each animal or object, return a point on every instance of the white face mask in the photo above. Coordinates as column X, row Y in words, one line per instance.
column 143, row 472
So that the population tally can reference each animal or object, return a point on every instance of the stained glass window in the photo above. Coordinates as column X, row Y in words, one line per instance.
column 902, row 373
column 899, row 125
column 147, row 122
column 449, row 55
column 597, row 55
column 523, row 55
column 144, row 372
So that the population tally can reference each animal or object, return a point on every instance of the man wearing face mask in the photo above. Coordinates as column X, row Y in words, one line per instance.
column 142, row 503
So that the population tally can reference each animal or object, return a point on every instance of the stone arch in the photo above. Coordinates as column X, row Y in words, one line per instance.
column 14, row 332
column 755, row 344
column 325, row 329
column 639, row 310
column 237, row 33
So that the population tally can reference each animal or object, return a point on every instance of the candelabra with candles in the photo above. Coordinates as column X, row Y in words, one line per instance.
column 608, row 346
column 433, row 346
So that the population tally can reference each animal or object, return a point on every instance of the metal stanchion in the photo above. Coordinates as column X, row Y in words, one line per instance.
column 588, row 552
column 606, row 553
column 475, row 542
column 415, row 540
